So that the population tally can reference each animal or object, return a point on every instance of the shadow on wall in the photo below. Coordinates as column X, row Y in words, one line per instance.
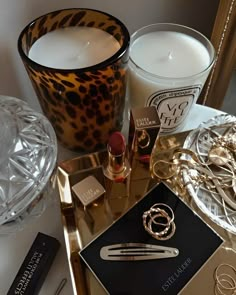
column 229, row 105
column 15, row 15
column 196, row 14
column 9, row 83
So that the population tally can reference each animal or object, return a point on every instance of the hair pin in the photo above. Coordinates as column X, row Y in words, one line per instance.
column 136, row 251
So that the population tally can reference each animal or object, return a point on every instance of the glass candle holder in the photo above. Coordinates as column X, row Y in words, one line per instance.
column 168, row 67
column 84, row 103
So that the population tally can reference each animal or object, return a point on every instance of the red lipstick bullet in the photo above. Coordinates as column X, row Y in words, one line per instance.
column 117, row 171
column 118, row 167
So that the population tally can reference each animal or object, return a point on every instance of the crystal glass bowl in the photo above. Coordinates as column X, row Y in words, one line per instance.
column 28, row 156
column 210, row 201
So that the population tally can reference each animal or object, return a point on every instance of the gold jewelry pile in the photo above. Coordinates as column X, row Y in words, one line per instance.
column 213, row 169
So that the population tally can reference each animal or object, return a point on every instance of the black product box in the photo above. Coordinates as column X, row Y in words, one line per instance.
column 194, row 239
column 35, row 266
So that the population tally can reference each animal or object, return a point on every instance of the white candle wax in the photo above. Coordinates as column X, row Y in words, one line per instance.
column 167, row 69
column 73, row 47
column 170, row 54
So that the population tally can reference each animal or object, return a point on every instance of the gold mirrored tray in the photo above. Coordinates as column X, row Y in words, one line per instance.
column 83, row 224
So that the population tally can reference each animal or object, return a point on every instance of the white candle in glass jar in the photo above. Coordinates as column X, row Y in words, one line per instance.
column 167, row 69
column 73, row 47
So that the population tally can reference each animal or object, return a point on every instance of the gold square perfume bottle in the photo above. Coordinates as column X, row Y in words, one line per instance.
column 144, row 130
column 88, row 190
column 88, row 193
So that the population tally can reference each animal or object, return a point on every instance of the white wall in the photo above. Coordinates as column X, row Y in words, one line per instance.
column 16, row 14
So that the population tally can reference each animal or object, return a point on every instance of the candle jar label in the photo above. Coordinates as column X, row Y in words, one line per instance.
column 173, row 105
column 168, row 66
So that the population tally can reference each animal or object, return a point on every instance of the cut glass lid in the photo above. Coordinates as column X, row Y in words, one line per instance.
column 28, row 153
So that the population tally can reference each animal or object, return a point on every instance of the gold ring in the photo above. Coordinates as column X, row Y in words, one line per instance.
column 151, row 218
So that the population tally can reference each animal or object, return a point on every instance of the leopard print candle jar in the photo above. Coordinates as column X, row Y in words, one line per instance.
column 84, row 102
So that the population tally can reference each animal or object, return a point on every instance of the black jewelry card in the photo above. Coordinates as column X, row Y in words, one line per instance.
column 194, row 239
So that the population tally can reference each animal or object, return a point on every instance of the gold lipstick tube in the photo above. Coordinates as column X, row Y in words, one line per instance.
column 117, row 172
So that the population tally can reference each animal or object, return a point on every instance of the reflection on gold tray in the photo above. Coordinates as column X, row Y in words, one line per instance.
column 81, row 225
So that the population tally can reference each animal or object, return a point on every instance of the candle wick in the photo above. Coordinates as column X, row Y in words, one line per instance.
column 83, row 51
column 170, row 56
